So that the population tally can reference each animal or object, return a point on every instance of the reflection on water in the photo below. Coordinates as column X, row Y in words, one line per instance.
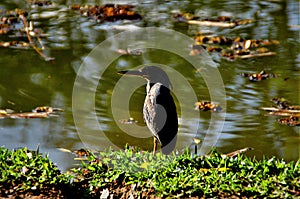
column 26, row 81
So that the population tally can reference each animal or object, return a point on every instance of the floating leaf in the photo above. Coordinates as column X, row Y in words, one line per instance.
column 109, row 12
column 206, row 105
column 41, row 3
column 258, row 76
column 39, row 112
column 233, row 48
column 290, row 121
column 283, row 109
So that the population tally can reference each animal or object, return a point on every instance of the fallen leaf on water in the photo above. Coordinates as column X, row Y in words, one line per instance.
column 255, row 77
column 39, row 112
column 207, row 106
column 290, row 121
column 290, row 114
column 107, row 13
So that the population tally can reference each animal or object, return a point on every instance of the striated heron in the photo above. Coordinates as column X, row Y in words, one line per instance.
column 159, row 108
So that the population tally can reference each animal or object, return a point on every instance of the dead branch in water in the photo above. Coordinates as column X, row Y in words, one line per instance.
column 27, row 30
column 211, row 23
column 256, row 55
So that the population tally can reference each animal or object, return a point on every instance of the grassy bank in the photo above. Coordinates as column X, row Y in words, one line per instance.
column 138, row 174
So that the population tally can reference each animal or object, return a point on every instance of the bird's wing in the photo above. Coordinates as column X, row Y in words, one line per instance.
column 151, row 109
column 160, row 113
column 168, row 120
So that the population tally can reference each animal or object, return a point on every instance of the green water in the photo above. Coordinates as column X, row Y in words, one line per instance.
column 27, row 81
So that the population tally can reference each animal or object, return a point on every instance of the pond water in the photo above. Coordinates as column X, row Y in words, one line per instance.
column 96, row 98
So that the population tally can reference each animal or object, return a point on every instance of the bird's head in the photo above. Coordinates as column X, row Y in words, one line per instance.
column 152, row 74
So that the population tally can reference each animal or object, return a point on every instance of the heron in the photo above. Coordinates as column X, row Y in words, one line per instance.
column 159, row 109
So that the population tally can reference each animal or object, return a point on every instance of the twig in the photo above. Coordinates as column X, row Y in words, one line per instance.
column 295, row 26
column 42, row 54
column 27, row 30
column 41, row 43
column 283, row 114
column 256, row 55
column 65, row 150
column 211, row 23
column 235, row 153
column 25, row 115
column 279, row 110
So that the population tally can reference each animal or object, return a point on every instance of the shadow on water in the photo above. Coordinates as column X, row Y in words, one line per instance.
column 26, row 81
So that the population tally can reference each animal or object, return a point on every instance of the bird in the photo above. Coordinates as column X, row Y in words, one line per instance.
column 159, row 110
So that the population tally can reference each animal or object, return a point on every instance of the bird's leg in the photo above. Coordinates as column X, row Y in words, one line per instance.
column 154, row 145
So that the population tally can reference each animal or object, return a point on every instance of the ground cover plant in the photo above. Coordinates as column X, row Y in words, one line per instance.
column 138, row 174
column 25, row 173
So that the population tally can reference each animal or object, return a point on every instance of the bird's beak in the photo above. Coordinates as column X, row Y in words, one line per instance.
column 131, row 72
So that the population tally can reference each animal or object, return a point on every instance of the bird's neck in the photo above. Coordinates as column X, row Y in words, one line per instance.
column 148, row 87
column 150, row 84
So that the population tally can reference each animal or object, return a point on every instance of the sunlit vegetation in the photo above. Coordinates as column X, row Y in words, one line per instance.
column 139, row 174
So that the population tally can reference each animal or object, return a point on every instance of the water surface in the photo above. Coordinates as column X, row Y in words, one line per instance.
column 27, row 81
